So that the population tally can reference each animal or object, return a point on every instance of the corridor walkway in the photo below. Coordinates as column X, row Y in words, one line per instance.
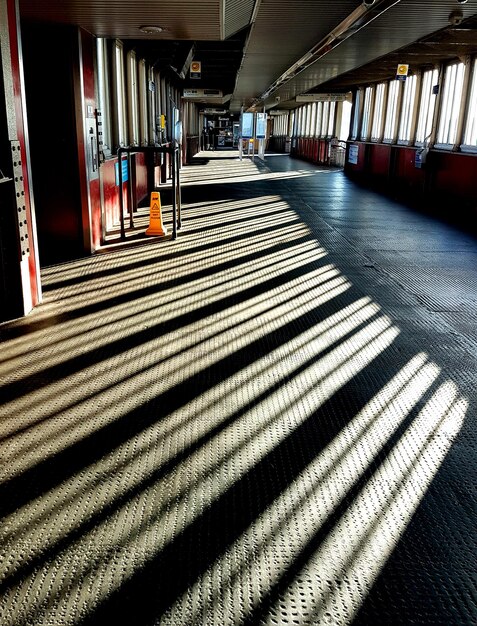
column 270, row 420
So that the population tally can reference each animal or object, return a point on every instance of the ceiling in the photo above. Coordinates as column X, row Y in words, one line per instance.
column 266, row 52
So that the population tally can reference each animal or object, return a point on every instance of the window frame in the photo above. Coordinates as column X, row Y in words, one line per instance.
column 119, row 95
column 104, row 94
column 377, row 124
column 471, row 110
column 408, row 110
column 450, row 106
column 392, row 112
column 367, row 114
column 132, row 97
column 426, row 114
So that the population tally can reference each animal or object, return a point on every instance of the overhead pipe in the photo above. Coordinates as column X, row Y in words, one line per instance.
column 363, row 15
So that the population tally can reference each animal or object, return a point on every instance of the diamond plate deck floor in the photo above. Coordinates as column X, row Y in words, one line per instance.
column 268, row 421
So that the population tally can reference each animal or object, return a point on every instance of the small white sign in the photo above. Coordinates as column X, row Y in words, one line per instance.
column 247, row 125
column 353, row 154
column 261, row 125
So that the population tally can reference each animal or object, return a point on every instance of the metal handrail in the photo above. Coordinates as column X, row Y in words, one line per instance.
column 173, row 150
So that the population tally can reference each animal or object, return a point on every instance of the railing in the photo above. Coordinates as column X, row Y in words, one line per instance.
column 173, row 150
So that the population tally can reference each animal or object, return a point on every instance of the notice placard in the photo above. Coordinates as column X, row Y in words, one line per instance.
column 247, row 125
column 261, row 125
column 353, row 154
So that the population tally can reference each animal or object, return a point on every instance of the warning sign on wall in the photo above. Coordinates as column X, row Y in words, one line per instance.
column 195, row 69
column 402, row 71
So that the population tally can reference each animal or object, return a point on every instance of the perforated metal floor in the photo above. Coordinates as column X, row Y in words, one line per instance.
column 270, row 420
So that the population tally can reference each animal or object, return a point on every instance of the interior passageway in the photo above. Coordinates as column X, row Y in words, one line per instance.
column 270, row 420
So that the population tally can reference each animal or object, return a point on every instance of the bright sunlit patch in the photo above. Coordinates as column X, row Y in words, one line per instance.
column 244, row 320
column 330, row 373
column 66, row 339
column 334, row 472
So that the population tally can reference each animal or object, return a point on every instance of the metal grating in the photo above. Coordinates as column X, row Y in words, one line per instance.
column 248, row 426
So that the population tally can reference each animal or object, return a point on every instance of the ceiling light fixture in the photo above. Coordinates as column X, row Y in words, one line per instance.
column 149, row 30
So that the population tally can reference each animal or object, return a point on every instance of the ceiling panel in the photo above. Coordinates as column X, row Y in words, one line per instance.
column 237, row 15
column 281, row 33
column 404, row 23
column 249, row 59
column 181, row 19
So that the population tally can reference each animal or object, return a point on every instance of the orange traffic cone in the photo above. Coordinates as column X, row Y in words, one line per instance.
column 156, row 227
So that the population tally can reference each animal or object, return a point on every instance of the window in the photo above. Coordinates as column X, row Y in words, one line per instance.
column 407, row 110
column 376, row 132
column 296, row 125
column 343, row 131
column 119, row 94
column 427, row 105
column 319, row 118
column 143, row 91
column 313, row 119
column 450, row 104
column 325, row 119
column 356, row 114
column 331, row 119
column 104, row 94
column 308, row 120
column 292, row 124
column 367, row 107
column 151, row 91
column 470, row 132
column 392, row 111
column 133, row 117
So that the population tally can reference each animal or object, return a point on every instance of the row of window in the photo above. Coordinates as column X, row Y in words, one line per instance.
column 316, row 119
column 436, row 107
column 132, row 96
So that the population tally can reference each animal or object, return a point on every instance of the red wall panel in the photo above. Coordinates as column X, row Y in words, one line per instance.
column 379, row 156
column 141, row 176
column 406, row 175
column 455, row 174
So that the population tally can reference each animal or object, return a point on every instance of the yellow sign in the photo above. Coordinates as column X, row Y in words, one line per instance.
column 156, row 227
column 163, row 121
column 402, row 69
column 195, row 66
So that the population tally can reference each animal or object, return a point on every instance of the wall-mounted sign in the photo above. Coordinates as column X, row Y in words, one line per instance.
column 247, row 125
column 353, row 154
column 402, row 71
column 323, row 97
column 124, row 171
column 261, row 126
column 202, row 93
column 195, row 69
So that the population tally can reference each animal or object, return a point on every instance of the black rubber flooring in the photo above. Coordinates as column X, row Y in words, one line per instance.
column 270, row 420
